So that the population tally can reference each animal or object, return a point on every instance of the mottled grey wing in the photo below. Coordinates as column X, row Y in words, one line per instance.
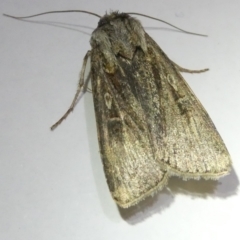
column 151, row 125
column 126, row 124
column 189, row 145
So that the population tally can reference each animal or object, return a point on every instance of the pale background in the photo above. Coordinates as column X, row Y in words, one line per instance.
column 52, row 185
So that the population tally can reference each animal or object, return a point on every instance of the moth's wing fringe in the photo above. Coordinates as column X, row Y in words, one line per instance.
column 151, row 192
column 171, row 173
column 206, row 176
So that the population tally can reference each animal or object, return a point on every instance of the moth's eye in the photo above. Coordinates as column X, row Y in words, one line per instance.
column 102, row 22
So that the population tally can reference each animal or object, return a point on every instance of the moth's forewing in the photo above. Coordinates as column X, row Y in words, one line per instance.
column 131, row 167
column 192, row 146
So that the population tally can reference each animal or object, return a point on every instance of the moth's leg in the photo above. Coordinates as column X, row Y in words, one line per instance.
column 79, row 89
column 180, row 69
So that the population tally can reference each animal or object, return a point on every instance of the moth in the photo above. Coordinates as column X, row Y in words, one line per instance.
column 150, row 124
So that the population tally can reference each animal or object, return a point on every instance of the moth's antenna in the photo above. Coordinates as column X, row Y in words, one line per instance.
column 143, row 15
column 64, row 11
column 94, row 14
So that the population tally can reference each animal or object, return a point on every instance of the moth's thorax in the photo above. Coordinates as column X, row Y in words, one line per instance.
column 118, row 34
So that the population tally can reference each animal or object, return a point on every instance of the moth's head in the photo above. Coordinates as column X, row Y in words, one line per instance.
column 108, row 17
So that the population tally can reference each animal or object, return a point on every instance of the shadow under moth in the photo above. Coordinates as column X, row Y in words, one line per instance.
column 150, row 124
